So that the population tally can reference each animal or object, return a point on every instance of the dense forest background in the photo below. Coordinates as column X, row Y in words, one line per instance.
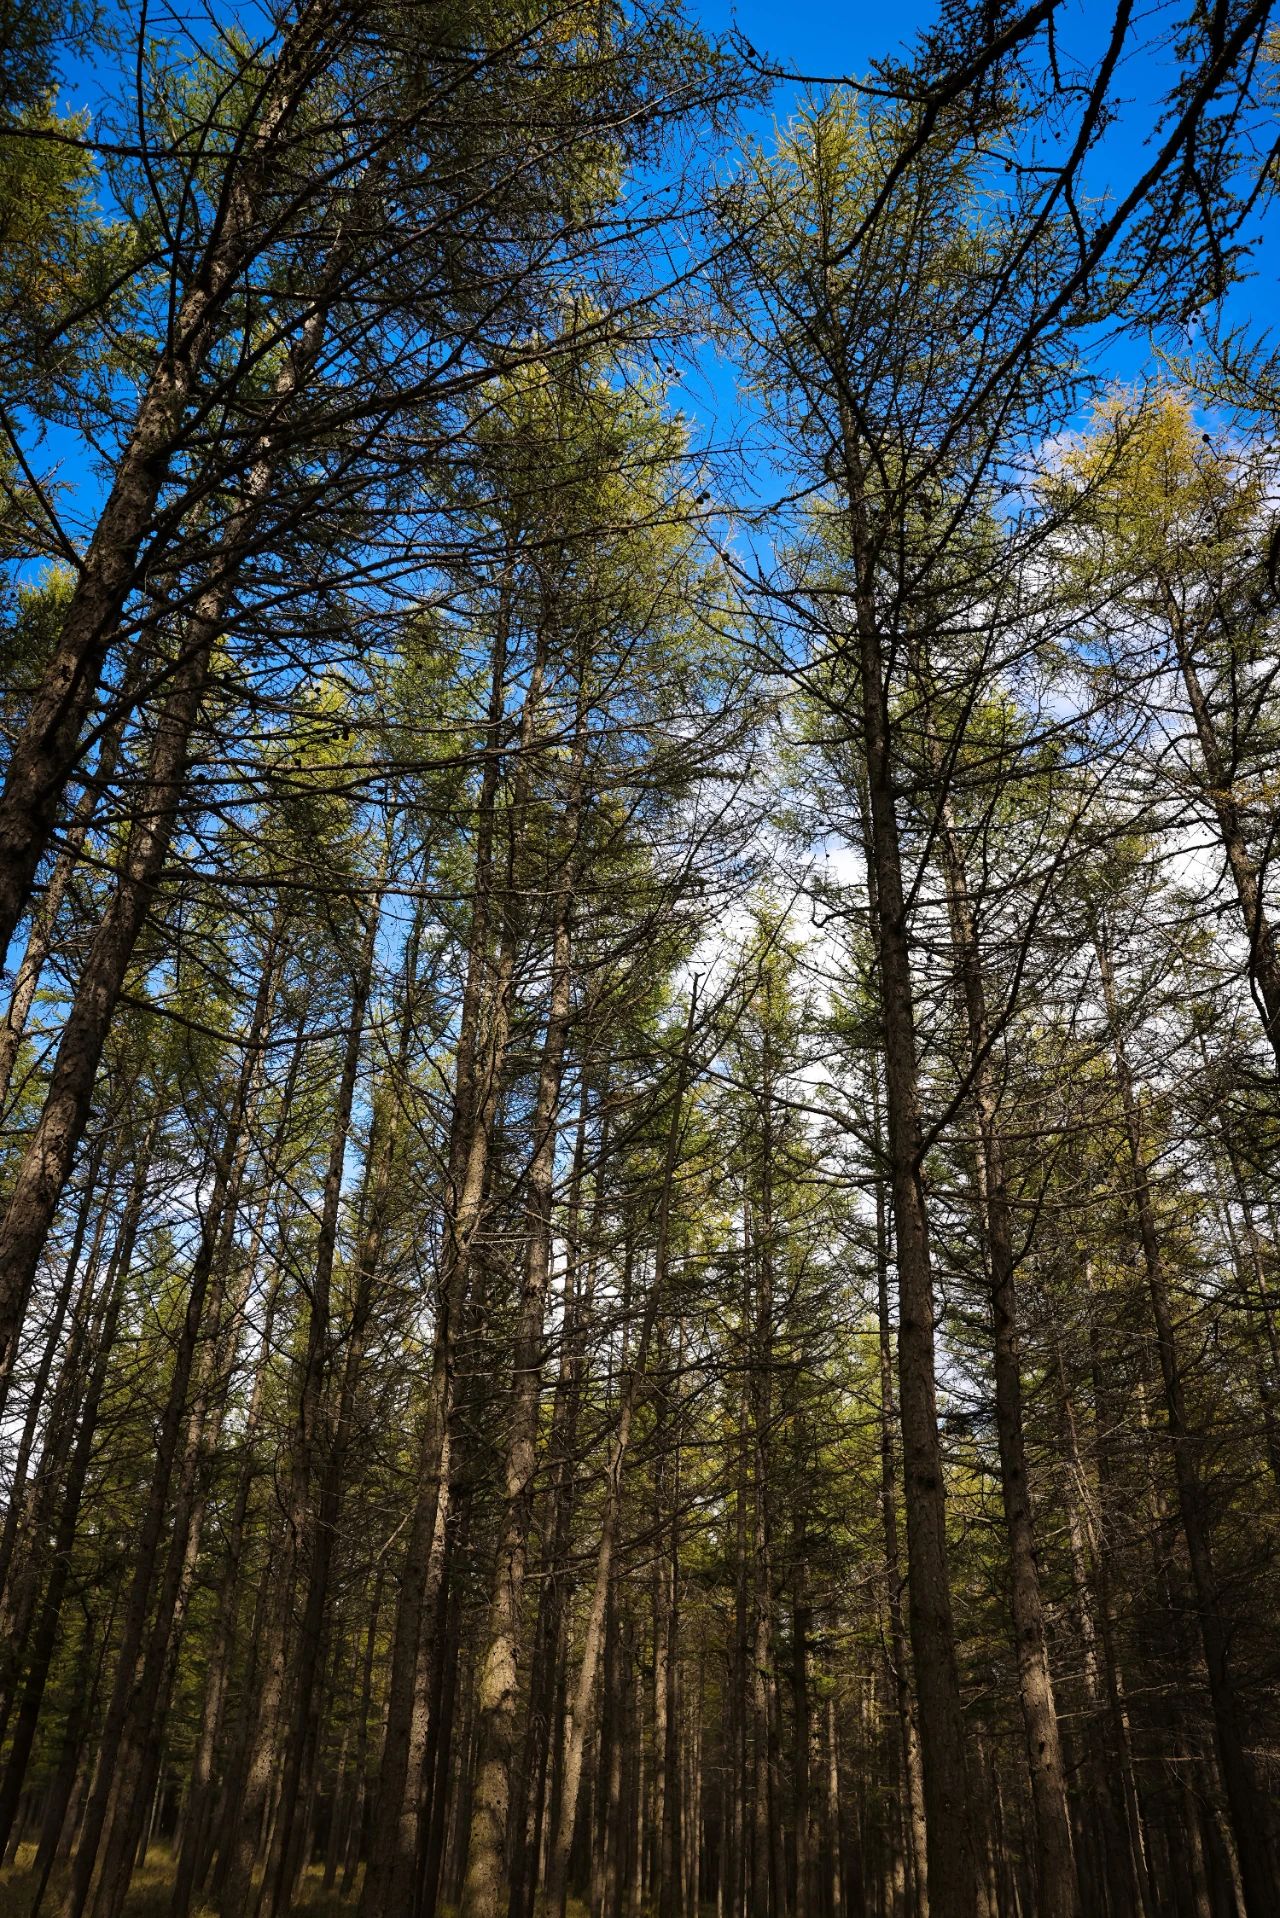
column 640, row 1094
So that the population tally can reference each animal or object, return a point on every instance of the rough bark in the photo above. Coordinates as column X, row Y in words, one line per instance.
column 484, row 1892
column 484, row 1023
column 47, row 1159
column 950, row 1824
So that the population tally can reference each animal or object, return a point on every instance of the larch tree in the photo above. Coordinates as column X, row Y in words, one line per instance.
column 638, row 1098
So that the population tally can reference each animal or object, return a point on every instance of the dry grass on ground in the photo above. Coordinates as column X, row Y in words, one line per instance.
column 149, row 1893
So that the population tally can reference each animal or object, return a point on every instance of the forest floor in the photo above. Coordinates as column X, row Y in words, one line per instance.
column 152, row 1887
column 150, row 1891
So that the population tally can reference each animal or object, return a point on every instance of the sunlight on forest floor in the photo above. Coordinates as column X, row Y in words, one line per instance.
column 150, row 1891
column 152, row 1885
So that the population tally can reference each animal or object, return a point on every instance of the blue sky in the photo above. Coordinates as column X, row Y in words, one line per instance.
column 814, row 36
column 821, row 40
column 824, row 40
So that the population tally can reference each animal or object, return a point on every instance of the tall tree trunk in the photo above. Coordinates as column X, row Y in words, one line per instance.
column 305, row 1466
column 192, row 1851
column 899, row 1656
column 355, row 1826
column 50, row 1151
column 594, row 1631
column 19, row 1507
column 44, row 1641
column 833, row 1813
column 1055, row 1860
column 1248, row 1823
column 484, row 1892
column 668, row 1691
column 761, row 1642
column 324, row 1440
column 139, row 1751
column 801, row 1754
column 44, row 919
column 450, row 1690
column 1109, row 1496
column 192, row 1855
column 125, row 1705
column 484, row 1026
column 953, row 1885
column 46, row 749
column 88, row 1667
column 613, row 1730
column 48, row 1157
column 1117, row 1877
column 546, row 1672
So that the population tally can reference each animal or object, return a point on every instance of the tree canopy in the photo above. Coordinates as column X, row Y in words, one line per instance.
column 639, row 1101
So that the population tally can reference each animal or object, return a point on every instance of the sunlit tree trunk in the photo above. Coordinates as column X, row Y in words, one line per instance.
column 484, row 1889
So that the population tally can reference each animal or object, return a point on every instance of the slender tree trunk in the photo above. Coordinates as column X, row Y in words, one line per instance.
column 636, row 1885
column 549, row 1650
column 1115, row 1820
column 610, row 1903
column 140, row 1749
column 355, row 1828
column 192, row 1851
column 484, row 1892
column 1109, row 1497
column 45, row 751
column 953, row 1890
column 1055, row 1861
column 64, row 1777
column 668, row 1808
column 125, row 1704
column 593, row 1636
column 450, row 1688
column 908, row 1730
column 44, row 919
column 44, row 1641
column 833, row 1812
column 304, row 1468
column 739, row 1757
column 323, row 1451
column 57, row 1422
column 1248, row 1824
column 1255, row 1294
column 801, row 1755
column 192, row 1858
column 761, row 1592
column 47, row 1159
column 484, row 1026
